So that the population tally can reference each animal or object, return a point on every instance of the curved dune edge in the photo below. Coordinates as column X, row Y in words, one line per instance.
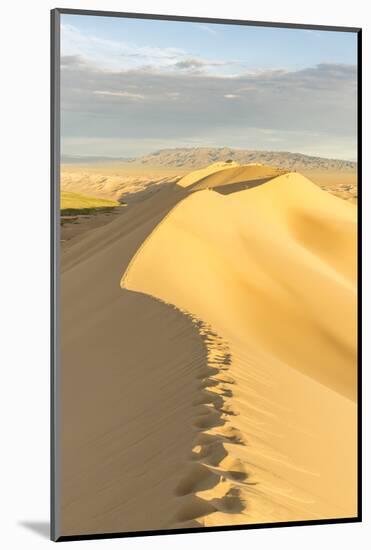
column 228, row 173
column 129, row 367
column 210, row 470
column 196, row 175
column 246, row 173
column 258, row 266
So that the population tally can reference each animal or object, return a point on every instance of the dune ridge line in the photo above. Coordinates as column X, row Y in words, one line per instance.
column 208, row 356
column 272, row 270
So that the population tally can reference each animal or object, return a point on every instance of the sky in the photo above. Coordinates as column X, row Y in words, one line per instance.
column 133, row 86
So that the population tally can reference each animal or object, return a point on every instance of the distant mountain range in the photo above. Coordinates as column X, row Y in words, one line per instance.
column 199, row 157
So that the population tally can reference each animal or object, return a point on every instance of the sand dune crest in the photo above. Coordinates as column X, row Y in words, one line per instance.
column 272, row 269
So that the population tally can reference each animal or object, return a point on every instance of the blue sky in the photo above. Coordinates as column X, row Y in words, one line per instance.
column 117, row 69
column 253, row 47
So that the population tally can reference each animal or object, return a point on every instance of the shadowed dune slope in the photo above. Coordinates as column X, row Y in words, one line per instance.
column 196, row 175
column 272, row 270
column 129, row 373
column 237, row 174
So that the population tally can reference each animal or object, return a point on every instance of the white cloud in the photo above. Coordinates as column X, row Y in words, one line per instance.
column 173, row 95
column 114, row 55
column 129, row 95
column 312, row 110
column 111, row 55
column 207, row 28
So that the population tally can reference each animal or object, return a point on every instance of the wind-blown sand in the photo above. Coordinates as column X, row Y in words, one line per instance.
column 217, row 384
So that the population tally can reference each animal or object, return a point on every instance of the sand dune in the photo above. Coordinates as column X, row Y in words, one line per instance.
column 342, row 184
column 236, row 174
column 126, row 182
column 116, row 181
column 227, row 173
column 124, row 358
column 215, row 384
column 197, row 175
column 272, row 271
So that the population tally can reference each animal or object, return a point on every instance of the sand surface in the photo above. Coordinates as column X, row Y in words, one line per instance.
column 342, row 184
column 208, row 360
column 116, row 181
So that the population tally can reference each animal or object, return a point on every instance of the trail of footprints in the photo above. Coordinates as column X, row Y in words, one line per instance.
column 210, row 465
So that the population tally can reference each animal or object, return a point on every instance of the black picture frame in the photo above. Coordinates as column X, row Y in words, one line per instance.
column 54, row 281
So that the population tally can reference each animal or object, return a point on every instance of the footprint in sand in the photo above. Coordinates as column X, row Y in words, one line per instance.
column 211, row 454
column 233, row 469
column 232, row 435
column 199, row 478
column 212, row 419
column 212, row 467
column 194, row 508
column 230, row 503
column 209, row 397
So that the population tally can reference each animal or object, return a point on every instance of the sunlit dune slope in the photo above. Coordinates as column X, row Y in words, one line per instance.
column 279, row 258
column 272, row 269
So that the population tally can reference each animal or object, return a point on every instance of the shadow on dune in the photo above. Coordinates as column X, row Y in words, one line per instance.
column 145, row 211
column 130, row 368
column 241, row 186
column 128, row 375
column 152, row 187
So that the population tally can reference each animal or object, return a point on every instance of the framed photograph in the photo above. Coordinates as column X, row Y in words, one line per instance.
column 205, row 267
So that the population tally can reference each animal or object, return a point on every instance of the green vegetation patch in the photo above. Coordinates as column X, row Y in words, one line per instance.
column 73, row 204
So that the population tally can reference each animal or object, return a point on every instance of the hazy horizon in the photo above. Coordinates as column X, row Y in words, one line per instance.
column 151, row 152
column 130, row 87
